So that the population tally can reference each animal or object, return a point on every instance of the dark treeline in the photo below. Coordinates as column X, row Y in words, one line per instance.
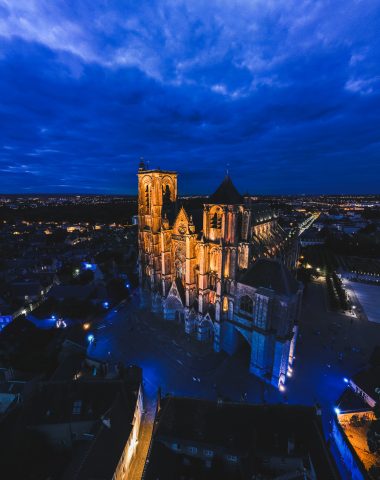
column 119, row 212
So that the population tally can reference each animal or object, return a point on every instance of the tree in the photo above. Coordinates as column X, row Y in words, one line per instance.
column 373, row 434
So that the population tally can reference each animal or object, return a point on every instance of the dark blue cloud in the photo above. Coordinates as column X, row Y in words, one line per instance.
column 285, row 92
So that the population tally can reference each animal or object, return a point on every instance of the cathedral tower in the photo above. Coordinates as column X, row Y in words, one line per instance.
column 157, row 191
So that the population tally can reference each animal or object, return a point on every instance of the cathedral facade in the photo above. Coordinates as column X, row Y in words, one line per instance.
column 222, row 269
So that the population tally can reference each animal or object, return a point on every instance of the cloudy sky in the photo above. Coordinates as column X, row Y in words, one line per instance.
column 285, row 92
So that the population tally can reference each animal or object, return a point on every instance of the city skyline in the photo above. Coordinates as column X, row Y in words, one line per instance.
column 279, row 93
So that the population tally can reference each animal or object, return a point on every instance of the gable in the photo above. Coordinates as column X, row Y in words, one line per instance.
column 181, row 224
column 176, row 293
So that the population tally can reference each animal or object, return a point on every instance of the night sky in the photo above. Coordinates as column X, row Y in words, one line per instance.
column 285, row 92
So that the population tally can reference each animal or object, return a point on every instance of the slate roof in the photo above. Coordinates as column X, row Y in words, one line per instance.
column 79, row 292
column 269, row 273
column 181, row 290
column 368, row 380
column 98, row 459
column 226, row 194
column 249, row 431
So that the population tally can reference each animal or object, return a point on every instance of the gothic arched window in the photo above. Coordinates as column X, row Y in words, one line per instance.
column 166, row 200
column 216, row 221
column 246, row 304
column 147, row 196
column 178, row 270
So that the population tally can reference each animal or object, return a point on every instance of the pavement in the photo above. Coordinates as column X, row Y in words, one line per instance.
column 366, row 298
column 330, row 346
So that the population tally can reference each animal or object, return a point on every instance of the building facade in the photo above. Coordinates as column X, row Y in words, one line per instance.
column 222, row 270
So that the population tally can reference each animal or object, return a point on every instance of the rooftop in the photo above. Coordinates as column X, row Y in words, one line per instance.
column 226, row 194
column 272, row 274
column 368, row 380
column 249, row 432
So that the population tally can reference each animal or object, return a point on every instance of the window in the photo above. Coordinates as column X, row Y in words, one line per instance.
column 246, row 304
column 147, row 197
column 212, row 282
column 232, row 458
column 166, row 200
column 77, row 406
column 216, row 221
column 208, row 453
column 225, row 304
column 193, row 450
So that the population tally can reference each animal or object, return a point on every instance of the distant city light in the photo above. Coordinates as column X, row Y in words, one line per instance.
column 281, row 387
column 106, row 304
column 86, row 326
column 345, row 380
column 127, row 285
column 89, row 266
column 337, row 410
column 90, row 338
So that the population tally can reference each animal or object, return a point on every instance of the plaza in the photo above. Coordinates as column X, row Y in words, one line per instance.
column 366, row 297
column 331, row 346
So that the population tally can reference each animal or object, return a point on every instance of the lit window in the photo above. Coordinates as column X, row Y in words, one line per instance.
column 193, row 450
column 208, row 453
column 225, row 304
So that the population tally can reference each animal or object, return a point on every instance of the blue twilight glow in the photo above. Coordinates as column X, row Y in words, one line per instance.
column 286, row 92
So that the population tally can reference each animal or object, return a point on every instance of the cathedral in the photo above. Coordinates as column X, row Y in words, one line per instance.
column 221, row 269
